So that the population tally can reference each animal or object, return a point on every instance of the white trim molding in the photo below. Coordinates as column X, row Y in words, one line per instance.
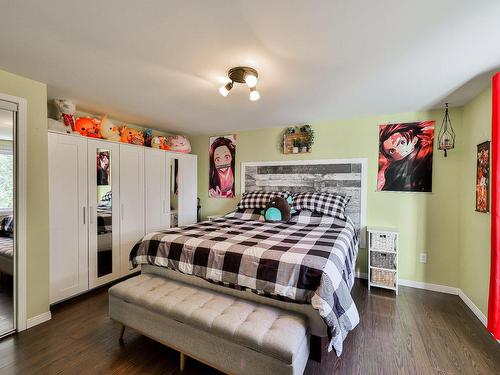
column 472, row 307
column 39, row 319
column 428, row 286
column 21, row 207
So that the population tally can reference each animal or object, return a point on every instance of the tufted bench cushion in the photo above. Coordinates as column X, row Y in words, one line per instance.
column 265, row 329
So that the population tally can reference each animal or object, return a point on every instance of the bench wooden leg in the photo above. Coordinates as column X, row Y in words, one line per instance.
column 319, row 348
column 122, row 331
column 182, row 361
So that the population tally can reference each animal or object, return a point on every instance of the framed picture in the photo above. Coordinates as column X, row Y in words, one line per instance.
column 483, row 177
column 405, row 156
column 222, row 154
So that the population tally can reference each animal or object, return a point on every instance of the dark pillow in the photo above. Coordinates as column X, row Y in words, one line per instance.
column 277, row 210
column 259, row 199
column 324, row 203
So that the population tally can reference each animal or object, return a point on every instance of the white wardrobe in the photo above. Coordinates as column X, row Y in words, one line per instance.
column 103, row 197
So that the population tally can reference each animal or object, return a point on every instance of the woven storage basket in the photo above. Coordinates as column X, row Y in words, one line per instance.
column 384, row 278
column 383, row 260
column 383, row 241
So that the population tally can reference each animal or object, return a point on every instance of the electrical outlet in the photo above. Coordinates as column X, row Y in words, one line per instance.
column 423, row 257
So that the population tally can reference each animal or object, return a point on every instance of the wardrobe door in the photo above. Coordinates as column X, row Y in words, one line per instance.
column 156, row 193
column 67, row 216
column 188, row 187
column 104, row 211
column 131, row 202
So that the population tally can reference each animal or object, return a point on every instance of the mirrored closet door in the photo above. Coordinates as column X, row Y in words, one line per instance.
column 8, row 118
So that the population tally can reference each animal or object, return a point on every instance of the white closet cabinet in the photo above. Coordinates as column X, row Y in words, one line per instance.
column 103, row 197
column 157, row 194
column 68, row 216
column 103, row 186
column 188, row 187
column 131, row 202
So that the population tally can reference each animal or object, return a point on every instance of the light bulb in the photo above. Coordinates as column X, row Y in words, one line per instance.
column 254, row 94
column 224, row 90
column 250, row 80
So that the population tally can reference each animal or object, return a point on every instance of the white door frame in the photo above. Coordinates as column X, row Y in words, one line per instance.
column 21, row 207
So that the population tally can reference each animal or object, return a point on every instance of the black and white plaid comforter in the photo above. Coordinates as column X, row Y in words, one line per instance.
column 310, row 260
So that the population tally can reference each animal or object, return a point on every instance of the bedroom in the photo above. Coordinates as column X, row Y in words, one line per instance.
column 107, row 73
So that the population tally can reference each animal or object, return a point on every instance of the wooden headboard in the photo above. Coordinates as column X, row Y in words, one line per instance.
column 342, row 176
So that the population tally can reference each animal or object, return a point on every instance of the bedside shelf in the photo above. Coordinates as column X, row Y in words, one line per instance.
column 383, row 258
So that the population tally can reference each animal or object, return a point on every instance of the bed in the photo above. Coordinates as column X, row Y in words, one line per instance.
column 7, row 245
column 304, row 265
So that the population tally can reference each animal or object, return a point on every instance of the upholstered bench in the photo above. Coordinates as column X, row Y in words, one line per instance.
column 231, row 334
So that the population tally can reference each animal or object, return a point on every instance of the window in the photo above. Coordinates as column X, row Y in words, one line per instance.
column 6, row 181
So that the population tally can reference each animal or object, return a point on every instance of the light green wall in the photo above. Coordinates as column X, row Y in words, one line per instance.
column 474, row 230
column 428, row 221
column 37, row 246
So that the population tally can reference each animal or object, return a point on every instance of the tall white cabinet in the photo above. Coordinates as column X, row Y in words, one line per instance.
column 103, row 197
column 68, row 216
column 131, row 201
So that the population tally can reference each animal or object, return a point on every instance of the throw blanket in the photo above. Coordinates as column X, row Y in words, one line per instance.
column 307, row 261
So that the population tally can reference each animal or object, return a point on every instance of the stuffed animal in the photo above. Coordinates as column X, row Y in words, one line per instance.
column 58, row 126
column 108, row 130
column 131, row 135
column 148, row 137
column 178, row 143
column 277, row 210
column 66, row 113
column 88, row 127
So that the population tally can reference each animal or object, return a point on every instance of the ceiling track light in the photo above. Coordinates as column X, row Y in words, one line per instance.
column 242, row 74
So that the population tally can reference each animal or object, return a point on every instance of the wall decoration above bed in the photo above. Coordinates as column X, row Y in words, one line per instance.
column 405, row 156
column 341, row 176
column 298, row 139
column 221, row 155
column 483, row 177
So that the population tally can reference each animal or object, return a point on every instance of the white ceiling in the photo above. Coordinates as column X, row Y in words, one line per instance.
column 159, row 63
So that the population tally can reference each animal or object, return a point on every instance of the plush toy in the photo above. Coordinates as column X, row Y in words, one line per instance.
column 66, row 113
column 131, row 135
column 158, row 142
column 178, row 143
column 108, row 130
column 277, row 210
column 58, row 126
column 148, row 137
column 88, row 127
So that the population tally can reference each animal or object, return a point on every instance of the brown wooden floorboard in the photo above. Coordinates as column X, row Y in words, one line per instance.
column 417, row 332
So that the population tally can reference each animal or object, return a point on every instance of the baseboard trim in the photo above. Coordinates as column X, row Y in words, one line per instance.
column 428, row 286
column 471, row 305
column 39, row 319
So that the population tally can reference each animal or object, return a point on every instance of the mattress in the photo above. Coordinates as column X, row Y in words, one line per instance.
column 302, row 261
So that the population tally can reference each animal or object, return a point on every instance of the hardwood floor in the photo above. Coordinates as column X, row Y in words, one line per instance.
column 418, row 332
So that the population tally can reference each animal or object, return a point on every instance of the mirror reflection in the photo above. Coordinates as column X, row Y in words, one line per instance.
column 174, row 192
column 7, row 233
column 104, row 214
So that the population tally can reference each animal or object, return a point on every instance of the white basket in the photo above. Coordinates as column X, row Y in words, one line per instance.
column 383, row 241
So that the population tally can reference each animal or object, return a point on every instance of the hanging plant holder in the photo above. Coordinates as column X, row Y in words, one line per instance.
column 446, row 137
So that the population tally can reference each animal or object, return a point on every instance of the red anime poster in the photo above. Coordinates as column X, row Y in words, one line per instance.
column 222, row 153
column 405, row 156
column 483, row 177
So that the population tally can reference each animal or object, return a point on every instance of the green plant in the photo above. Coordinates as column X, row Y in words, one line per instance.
column 307, row 129
column 297, row 143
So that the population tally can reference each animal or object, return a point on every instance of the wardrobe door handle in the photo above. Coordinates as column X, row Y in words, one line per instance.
column 84, row 215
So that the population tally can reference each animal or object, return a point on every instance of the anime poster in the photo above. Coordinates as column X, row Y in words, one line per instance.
column 405, row 156
column 103, row 168
column 483, row 177
column 222, row 153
